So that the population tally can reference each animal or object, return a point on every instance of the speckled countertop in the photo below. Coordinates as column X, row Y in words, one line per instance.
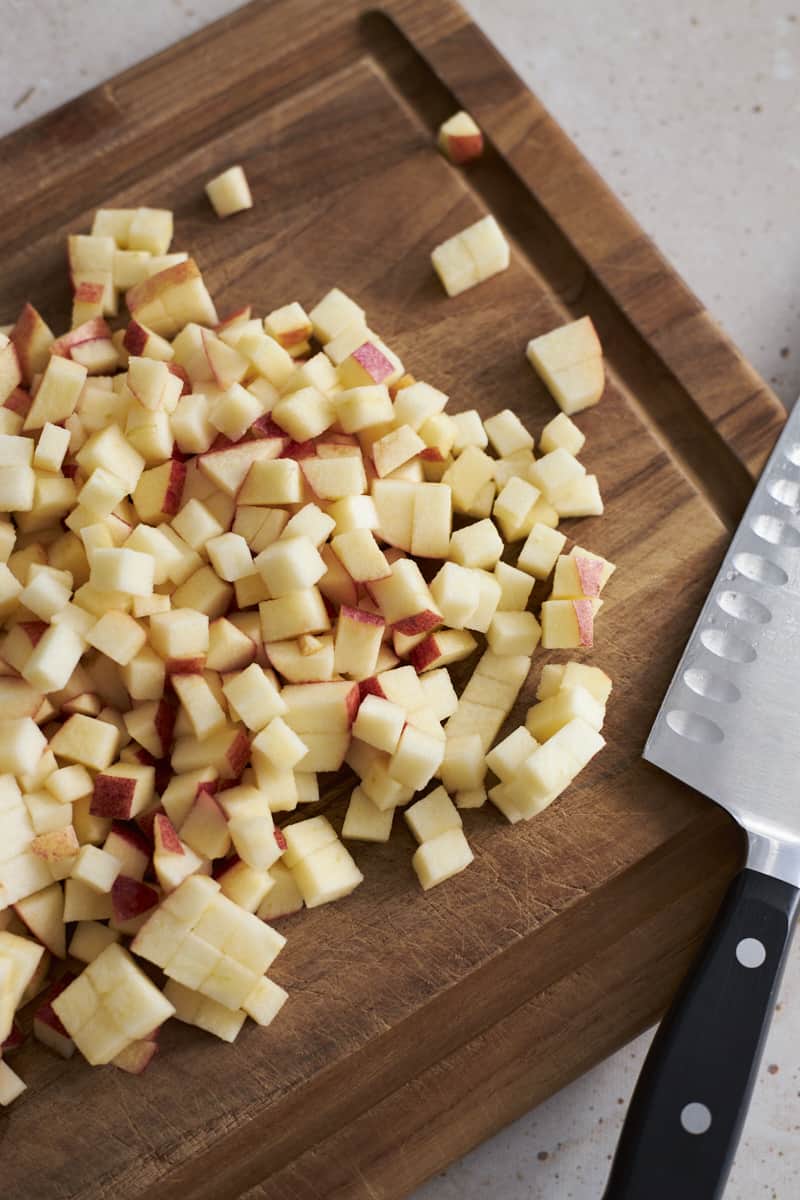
column 691, row 112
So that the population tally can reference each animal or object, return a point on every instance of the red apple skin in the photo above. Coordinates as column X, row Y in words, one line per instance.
column 584, row 615
column 90, row 331
column 181, row 373
column 360, row 616
column 186, row 666
column 112, row 797
column 265, row 427
column 174, row 489
column 14, row 1041
column 299, row 450
column 431, row 454
column 22, row 335
column 146, row 822
column 131, row 834
column 280, row 840
column 89, row 293
column 150, row 289
column 370, row 359
column 45, row 1014
column 165, row 725
column 239, row 314
column 34, row 630
column 421, row 622
column 590, row 572
column 352, row 703
column 223, row 865
column 464, row 149
column 238, row 754
column 166, row 837
column 19, row 402
column 424, row 654
column 135, row 339
column 370, row 687
column 130, row 897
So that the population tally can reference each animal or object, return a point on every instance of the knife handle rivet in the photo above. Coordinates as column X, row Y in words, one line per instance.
column 696, row 1118
column 750, row 952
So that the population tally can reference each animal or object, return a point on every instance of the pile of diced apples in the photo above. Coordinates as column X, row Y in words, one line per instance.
column 229, row 565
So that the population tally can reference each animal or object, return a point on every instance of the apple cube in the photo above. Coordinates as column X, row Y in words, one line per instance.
column 283, row 897
column 296, row 612
column 455, row 266
column 395, row 503
column 554, row 765
column 365, row 407
column 507, row 756
column 57, row 394
column 456, row 594
column 311, row 522
column 334, row 313
column 118, row 636
column 229, row 192
column 548, row 716
column 11, row 1086
column 478, row 545
column 360, row 555
column 580, row 574
column 181, row 634
column 357, row 642
column 578, row 498
column 289, row 565
column 333, row 478
column 379, row 723
column 460, row 139
column 17, row 485
column 85, row 740
column 328, row 874
column 96, row 868
column 568, row 623
column 562, row 434
column 515, row 588
column 540, row 553
column 441, row 857
column 569, row 360
column 255, row 698
column 513, row 633
column 122, row 570
column 470, row 472
column 417, row 758
column 515, row 508
column 203, row 1012
column 432, row 815
column 84, row 903
column 149, row 229
column 442, row 648
column 320, row 707
column 507, row 434
column 272, row 481
column 21, row 745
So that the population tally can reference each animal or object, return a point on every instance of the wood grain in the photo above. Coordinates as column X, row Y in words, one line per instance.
column 418, row 1023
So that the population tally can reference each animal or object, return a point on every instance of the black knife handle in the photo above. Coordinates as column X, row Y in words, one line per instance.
column 702, row 1064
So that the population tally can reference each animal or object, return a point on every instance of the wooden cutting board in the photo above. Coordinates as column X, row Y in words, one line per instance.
column 418, row 1024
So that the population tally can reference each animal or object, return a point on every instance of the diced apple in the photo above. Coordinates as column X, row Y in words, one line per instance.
column 229, row 192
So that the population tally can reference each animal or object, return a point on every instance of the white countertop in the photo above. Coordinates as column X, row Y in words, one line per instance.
column 692, row 116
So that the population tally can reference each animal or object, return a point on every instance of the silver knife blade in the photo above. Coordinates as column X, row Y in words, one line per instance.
column 729, row 724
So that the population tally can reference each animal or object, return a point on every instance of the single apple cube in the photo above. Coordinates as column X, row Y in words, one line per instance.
column 334, row 313
column 294, row 614
column 477, row 546
column 280, row 744
column 470, row 472
column 507, row 756
column 21, row 745
column 92, row 743
column 57, row 394
column 360, row 555
column 364, row 822
column 540, row 553
column 441, row 857
column 96, row 868
column 304, row 414
column 11, row 1086
column 432, row 815
column 550, row 680
column 371, row 362
column 417, row 758
column 513, row 633
column 203, row 1012
column 464, row 765
column 90, row 939
column 283, row 897
column 118, row 636
column 515, row 588
column 394, row 503
column 327, row 874
column 289, row 565
column 198, row 701
column 455, row 593
column 335, row 477
column 357, row 642
column 569, row 360
column 83, row 903
column 442, row 648
column 51, row 447
column 562, row 434
column 379, row 723
column 460, row 139
column 244, row 886
column 256, row 699
column 568, row 623
column 365, row 407
column 229, row 192
column 580, row 575
column 515, row 508
column 311, row 522
column 149, row 229
column 455, row 266
column 265, row 1002
column 548, row 716
column 579, row 498
column 122, row 571
column 272, row 481
column 180, row 634
column 17, row 485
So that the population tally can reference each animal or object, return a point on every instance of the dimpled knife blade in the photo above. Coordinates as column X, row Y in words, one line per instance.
column 729, row 724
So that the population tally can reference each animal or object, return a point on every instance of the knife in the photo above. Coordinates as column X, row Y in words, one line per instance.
column 729, row 726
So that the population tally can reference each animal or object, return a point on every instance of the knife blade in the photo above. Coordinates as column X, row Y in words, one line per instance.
column 729, row 726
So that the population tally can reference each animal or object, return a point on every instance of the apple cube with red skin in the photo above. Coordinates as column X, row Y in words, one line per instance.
column 122, row 791
column 460, row 139
column 130, row 848
column 174, row 297
column 568, row 623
